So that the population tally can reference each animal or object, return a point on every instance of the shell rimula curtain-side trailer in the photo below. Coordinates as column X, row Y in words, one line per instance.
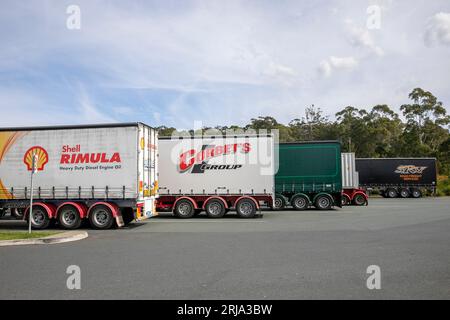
column 309, row 174
column 216, row 174
column 100, row 173
column 398, row 177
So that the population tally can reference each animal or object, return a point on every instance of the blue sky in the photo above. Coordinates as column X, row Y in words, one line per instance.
column 219, row 62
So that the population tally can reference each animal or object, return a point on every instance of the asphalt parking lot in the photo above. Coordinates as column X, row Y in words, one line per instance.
column 284, row 255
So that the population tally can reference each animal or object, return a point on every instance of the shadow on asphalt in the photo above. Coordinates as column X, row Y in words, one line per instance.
column 233, row 215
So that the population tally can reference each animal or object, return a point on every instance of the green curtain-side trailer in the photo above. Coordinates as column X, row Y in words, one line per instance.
column 309, row 174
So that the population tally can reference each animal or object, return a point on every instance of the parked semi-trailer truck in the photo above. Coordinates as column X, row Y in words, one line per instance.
column 99, row 173
column 309, row 174
column 352, row 194
column 216, row 174
column 397, row 177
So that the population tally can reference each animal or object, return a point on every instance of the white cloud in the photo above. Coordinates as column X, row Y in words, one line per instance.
column 343, row 62
column 89, row 112
column 325, row 68
column 332, row 63
column 274, row 69
column 362, row 37
column 438, row 30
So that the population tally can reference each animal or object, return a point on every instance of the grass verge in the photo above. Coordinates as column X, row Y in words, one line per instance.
column 17, row 235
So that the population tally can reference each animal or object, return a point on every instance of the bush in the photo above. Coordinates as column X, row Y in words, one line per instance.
column 443, row 186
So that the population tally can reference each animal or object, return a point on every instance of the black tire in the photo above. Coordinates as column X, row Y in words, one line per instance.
column 69, row 217
column 215, row 208
column 300, row 202
column 17, row 213
column 391, row 193
column 416, row 193
column 2, row 213
column 40, row 219
column 184, row 209
column 404, row 193
column 246, row 208
column 279, row 202
column 101, row 217
column 323, row 202
column 345, row 201
column 359, row 200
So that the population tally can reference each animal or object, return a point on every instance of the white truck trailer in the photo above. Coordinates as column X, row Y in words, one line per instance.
column 216, row 174
column 352, row 194
column 102, row 173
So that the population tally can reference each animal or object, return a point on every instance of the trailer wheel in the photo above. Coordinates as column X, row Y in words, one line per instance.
column 345, row 200
column 17, row 213
column 215, row 209
column 101, row 217
column 359, row 200
column 246, row 208
column 279, row 202
column 323, row 202
column 184, row 209
column 391, row 193
column 299, row 202
column 39, row 218
column 416, row 193
column 404, row 193
column 69, row 217
column 2, row 213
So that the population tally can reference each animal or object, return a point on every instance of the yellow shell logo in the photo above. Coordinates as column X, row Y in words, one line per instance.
column 42, row 158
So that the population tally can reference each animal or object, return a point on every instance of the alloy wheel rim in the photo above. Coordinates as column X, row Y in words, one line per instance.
column 184, row 209
column 69, row 217
column 359, row 200
column 278, row 203
column 38, row 217
column 246, row 208
column 101, row 217
column 215, row 209
column 300, row 202
column 324, row 202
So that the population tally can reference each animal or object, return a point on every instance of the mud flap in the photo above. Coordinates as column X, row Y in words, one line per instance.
column 119, row 221
column 259, row 213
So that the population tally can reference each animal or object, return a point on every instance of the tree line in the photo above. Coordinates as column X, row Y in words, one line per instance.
column 422, row 131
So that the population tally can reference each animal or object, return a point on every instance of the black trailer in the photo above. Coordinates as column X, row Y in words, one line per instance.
column 398, row 177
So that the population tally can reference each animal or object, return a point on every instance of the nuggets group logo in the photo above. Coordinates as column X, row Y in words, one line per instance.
column 410, row 169
column 197, row 161
column 42, row 158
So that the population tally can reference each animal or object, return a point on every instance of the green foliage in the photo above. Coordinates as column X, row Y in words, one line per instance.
column 164, row 131
column 443, row 187
column 378, row 132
